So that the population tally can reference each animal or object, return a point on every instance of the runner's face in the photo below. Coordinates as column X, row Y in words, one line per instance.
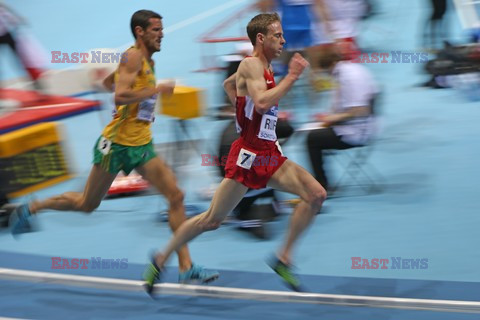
column 153, row 35
column 274, row 41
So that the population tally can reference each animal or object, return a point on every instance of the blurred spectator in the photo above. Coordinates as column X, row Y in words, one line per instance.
column 22, row 44
column 351, row 122
column 313, row 25
column 303, row 27
column 435, row 27
column 342, row 20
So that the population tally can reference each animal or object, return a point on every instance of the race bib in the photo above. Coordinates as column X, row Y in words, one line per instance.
column 268, row 125
column 104, row 146
column 245, row 159
column 146, row 109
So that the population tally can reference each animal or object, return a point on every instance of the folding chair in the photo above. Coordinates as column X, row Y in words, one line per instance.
column 356, row 165
column 357, row 170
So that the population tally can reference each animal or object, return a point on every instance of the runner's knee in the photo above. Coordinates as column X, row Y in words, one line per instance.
column 175, row 198
column 318, row 196
column 88, row 207
column 209, row 222
column 211, row 225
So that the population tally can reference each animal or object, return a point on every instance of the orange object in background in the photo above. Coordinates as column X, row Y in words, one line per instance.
column 184, row 103
column 32, row 158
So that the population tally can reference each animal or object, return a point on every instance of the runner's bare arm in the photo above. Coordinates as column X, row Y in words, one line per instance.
column 127, row 71
column 109, row 81
column 230, row 87
column 251, row 72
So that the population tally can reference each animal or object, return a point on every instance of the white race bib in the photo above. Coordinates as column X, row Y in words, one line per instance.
column 104, row 145
column 268, row 125
column 146, row 109
column 245, row 159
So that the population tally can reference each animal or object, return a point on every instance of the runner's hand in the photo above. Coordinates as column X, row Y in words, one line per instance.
column 296, row 65
column 166, row 87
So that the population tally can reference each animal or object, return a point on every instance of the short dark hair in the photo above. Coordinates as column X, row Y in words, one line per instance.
column 259, row 24
column 142, row 18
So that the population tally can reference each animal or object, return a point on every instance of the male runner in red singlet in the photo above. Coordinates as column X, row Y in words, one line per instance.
column 255, row 159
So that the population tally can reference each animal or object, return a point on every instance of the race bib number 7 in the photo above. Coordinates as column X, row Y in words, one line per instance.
column 245, row 159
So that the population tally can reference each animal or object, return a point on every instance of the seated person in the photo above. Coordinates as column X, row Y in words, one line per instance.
column 351, row 121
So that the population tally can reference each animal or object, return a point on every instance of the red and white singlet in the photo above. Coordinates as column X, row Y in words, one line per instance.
column 256, row 155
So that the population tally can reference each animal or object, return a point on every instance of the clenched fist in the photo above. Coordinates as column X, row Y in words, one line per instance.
column 296, row 65
column 166, row 87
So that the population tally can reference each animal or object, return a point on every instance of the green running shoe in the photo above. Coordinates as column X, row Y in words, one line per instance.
column 285, row 271
column 151, row 275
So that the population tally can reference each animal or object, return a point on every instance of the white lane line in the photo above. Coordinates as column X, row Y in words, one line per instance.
column 243, row 294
